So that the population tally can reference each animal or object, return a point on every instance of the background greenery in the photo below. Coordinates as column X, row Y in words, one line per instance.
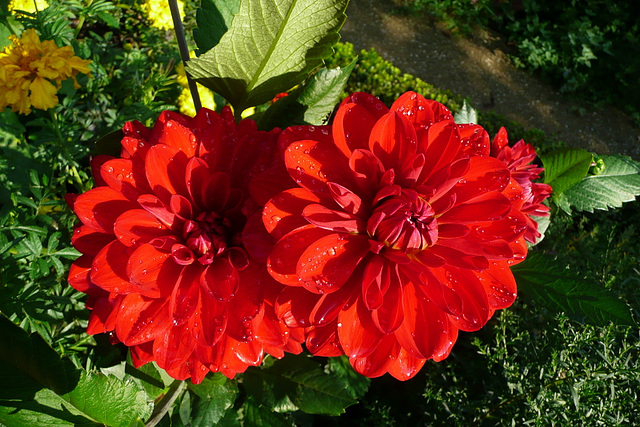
column 589, row 49
column 530, row 365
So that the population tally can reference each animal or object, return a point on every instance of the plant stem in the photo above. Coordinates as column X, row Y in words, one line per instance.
column 184, row 50
column 81, row 21
column 161, row 408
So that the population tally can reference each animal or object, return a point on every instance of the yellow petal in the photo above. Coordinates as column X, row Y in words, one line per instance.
column 43, row 94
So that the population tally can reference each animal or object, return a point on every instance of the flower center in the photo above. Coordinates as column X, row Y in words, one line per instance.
column 404, row 221
column 207, row 236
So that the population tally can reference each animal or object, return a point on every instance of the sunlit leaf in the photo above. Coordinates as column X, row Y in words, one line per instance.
column 565, row 167
column 271, row 46
column 214, row 18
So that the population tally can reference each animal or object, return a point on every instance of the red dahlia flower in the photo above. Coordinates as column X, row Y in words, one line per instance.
column 399, row 234
column 162, row 237
column 518, row 158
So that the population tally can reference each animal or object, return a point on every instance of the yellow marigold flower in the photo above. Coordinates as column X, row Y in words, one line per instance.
column 159, row 13
column 32, row 71
column 30, row 6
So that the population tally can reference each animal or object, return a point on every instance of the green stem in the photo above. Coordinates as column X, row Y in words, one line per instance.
column 81, row 21
column 161, row 408
column 184, row 50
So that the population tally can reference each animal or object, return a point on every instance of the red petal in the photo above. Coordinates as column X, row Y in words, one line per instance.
column 109, row 269
column 490, row 206
column 166, row 166
column 475, row 140
column 406, row 366
column 141, row 319
column 485, row 174
column 329, row 219
column 138, row 226
column 99, row 208
column 367, row 171
column 440, row 145
column 393, row 140
column 152, row 271
column 155, row 206
column 426, row 329
column 283, row 212
column 422, row 112
column 186, row 295
column 323, row 341
column 378, row 362
column 294, row 306
column 389, row 315
column 283, row 261
column 475, row 306
column 196, row 174
column 354, row 120
column 312, row 164
column 89, row 242
column 79, row 275
column 347, row 199
column 358, row 335
column 257, row 242
column 499, row 284
column 179, row 136
column 328, row 263
column 120, row 175
column 220, row 279
column 173, row 348
column 329, row 305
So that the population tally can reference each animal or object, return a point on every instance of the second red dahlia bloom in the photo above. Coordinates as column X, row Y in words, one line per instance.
column 399, row 234
column 163, row 240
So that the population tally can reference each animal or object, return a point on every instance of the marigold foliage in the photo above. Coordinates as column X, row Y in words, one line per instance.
column 31, row 72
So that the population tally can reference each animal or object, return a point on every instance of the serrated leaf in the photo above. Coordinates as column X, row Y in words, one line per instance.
column 357, row 384
column 271, row 46
column 565, row 167
column 215, row 394
column 302, row 382
column 256, row 415
column 109, row 19
column 214, row 17
column 618, row 182
column 311, row 104
column 467, row 114
column 109, row 400
column 541, row 277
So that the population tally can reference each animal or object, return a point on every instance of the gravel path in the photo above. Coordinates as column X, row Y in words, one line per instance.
column 481, row 71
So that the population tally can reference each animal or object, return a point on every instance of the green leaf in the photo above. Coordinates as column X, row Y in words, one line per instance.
column 257, row 415
column 541, row 277
column 565, row 167
column 28, row 363
column 617, row 183
column 467, row 114
column 109, row 400
column 109, row 19
column 298, row 382
column 313, row 103
column 214, row 17
column 215, row 395
column 357, row 385
column 271, row 46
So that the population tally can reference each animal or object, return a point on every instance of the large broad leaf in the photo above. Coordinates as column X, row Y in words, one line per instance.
column 28, row 363
column 214, row 396
column 214, row 17
column 540, row 277
column 297, row 382
column 311, row 104
column 565, row 167
column 618, row 182
column 38, row 387
column 358, row 384
column 271, row 46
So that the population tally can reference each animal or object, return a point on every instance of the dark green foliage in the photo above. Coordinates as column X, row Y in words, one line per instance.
column 588, row 49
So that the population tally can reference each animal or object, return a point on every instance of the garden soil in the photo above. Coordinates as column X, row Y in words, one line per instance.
column 480, row 70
